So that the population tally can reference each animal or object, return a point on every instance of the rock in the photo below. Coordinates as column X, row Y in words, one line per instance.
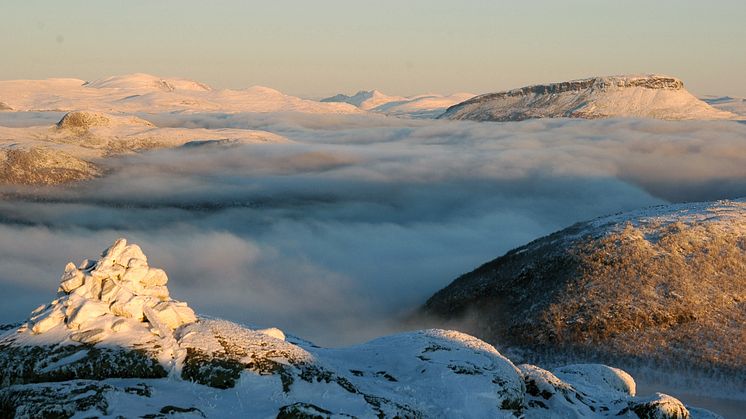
column 273, row 332
column 154, row 277
column 54, row 317
column 87, row 310
column 597, row 376
column 88, row 336
column 119, row 284
column 72, row 278
column 659, row 406
column 174, row 314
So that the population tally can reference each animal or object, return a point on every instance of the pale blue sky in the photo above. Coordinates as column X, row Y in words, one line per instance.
column 320, row 47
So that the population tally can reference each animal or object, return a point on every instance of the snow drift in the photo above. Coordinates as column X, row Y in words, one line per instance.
column 108, row 342
column 648, row 96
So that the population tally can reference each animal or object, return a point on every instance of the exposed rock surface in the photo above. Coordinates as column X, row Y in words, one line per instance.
column 83, row 121
column 43, row 166
column 113, row 343
column 665, row 285
column 76, row 147
column 648, row 96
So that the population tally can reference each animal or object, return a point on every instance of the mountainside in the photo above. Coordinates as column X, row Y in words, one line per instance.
column 665, row 285
column 146, row 93
column 77, row 146
column 147, row 81
column 114, row 343
column 648, row 96
column 734, row 105
column 421, row 106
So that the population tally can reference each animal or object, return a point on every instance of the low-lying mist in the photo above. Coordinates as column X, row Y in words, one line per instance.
column 356, row 223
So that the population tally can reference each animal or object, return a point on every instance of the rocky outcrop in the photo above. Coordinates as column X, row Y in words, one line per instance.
column 649, row 96
column 665, row 285
column 85, row 120
column 43, row 166
column 106, row 344
column 98, row 297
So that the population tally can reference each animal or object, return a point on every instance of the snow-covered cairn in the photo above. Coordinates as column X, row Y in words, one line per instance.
column 99, row 297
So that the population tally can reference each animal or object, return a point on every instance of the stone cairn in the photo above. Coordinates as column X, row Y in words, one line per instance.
column 103, row 296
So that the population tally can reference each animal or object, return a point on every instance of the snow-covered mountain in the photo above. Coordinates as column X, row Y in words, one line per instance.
column 735, row 105
column 646, row 96
column 146, row 93
column 421, row 106
column 662, row 286
column 147, row 82
column 76, row 148
column 113, row 343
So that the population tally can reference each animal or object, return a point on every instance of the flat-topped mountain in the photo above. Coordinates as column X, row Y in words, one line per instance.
column 664, row 285
column 645, row 96
column 114, row 343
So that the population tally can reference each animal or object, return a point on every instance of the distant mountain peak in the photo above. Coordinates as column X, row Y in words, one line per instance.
column 147, row 81
column 647, row 95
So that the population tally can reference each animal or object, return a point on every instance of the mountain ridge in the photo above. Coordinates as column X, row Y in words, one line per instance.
column 651, row 95
column 664, row 286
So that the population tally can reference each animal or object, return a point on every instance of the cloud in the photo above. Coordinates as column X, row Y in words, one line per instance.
column 335, row 236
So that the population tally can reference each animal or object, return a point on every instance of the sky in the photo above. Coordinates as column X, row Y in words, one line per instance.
column 322, row 47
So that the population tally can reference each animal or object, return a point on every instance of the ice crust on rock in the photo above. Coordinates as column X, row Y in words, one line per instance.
column 94, row 296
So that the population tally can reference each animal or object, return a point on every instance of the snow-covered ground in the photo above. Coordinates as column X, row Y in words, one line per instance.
column 420, row 106
column 641, row 96
column 735, row 105
column 331, row 223
column 114, row 321
column 147, row 93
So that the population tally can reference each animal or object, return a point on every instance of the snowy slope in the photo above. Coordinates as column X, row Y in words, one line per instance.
column 662, row 286
column 145, row 93
column 735, row 105
column 113, row 343
column 421, row 106
column 647, row 96
column 77, row 146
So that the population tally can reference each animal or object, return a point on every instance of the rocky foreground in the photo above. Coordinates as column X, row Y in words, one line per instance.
column 663, row 286
column 113, row 343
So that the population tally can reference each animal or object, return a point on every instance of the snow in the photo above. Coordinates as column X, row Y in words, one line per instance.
column 144, row 93
column 420, row 106
column 75, row 147
column 93, row 298
column 646, row 96
column 426, row 373
column 726, row 214
column 735, row 105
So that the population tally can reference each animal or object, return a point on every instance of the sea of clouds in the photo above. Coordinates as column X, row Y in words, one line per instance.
column 338, row 235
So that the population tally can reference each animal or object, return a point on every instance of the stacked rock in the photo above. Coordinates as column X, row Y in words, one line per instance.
column 103, row 294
